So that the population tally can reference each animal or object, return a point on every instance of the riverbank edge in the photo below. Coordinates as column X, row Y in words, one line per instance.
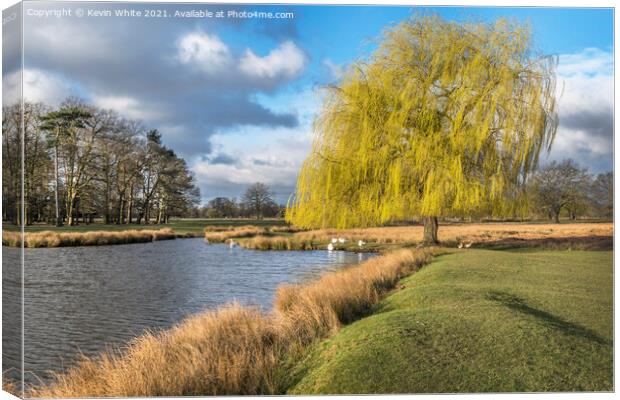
column 47, row 239
column 237, row 349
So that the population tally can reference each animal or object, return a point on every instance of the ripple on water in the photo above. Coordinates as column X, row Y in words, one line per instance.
column 82, row 299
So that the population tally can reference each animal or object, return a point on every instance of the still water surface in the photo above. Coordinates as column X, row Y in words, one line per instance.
column 83, row 299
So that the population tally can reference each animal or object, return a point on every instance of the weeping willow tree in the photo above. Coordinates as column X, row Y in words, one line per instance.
column 444, row 119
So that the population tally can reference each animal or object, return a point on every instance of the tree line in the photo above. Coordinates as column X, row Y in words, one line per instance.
column 82, row 162
column 257, row 202
column 565, row 189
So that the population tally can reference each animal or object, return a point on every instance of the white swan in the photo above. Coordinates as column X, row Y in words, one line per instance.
column 232, row 244
column 468, row 245
column 460, row 245
column 334, row 240
column 330, row 247
column 342, row 240
column 360, row 243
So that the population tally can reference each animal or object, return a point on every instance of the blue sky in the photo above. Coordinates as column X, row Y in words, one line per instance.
column 237, row 97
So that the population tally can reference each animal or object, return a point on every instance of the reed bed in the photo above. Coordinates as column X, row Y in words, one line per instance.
column 454, row 233
column 285, row 229
column 222, row 235
column 237, row 350
column 278, row 243
column 319, row 308
column 10, row 386
column 93, row 238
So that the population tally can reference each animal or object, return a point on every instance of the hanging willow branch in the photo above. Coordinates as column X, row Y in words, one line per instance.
column 445, row 119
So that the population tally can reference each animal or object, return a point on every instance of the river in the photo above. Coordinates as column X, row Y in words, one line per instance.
column 82, row 299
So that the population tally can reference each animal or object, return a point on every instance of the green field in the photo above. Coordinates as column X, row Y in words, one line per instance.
column 189, row 225
column 478, row 321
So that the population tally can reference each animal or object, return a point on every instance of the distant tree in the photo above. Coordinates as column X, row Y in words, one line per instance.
column 560, row 186
column 602, row 194
column 256, row 197
column 222, row 207
column 84, row 162
column 445, row 119
column 271, row 209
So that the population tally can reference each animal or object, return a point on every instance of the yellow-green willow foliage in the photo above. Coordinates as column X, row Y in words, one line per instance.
column 445, row 119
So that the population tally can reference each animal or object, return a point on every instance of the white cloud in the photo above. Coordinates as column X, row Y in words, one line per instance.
column 585, row 107
column 587, row 62
column 336, row 70
column 38, row 86
column 275, row 162
column 254, row 154
column 287, row 60
column 206, row 52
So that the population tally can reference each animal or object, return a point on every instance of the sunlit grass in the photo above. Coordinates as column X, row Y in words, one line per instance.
column 478, row 321
column 195, row 226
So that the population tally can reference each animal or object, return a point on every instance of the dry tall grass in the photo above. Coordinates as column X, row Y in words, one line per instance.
column 319, row 308
column 285, row 229
column 237, row 350
column 278, row 243
column 94, row 238
column 11, row 386
column 222, row 235
column 453, row 233
column 229, row 351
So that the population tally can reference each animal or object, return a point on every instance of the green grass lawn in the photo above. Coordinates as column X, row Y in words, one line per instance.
column 478, row 321
column 189, row 225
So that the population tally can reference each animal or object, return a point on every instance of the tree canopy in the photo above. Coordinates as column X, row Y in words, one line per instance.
column 85, row 162
column 444, row 119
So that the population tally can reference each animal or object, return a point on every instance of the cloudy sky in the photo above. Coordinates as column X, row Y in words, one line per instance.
column 236, row 97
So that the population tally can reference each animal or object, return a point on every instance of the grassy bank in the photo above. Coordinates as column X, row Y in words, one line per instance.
column 96, row 238
column 476, row 321
column 238, row 350
column 195, row 226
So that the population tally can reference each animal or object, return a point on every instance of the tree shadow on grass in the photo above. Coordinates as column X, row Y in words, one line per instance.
column 518, row 304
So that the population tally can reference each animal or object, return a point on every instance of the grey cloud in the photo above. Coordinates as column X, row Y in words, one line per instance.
column 257, row 161
column 596, row 122
column 135, row 58
column 223, row 158
column 11, row 40
column 187, row 140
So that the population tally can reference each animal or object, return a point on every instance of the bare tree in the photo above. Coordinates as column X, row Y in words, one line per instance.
column 256, row 197
column 560, row 186
column 84, row 162
column 602, row 194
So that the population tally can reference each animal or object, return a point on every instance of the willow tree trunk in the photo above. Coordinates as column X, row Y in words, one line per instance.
column 430, row 230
